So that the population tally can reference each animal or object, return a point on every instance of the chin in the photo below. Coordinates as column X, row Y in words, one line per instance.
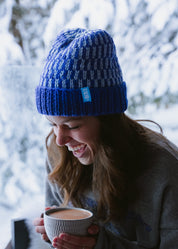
column 85, row 161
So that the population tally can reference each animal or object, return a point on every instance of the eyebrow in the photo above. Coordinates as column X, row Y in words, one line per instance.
column 69, row 119
column 72, row 119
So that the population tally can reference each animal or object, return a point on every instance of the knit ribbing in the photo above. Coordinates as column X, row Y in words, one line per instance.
column 82, row 76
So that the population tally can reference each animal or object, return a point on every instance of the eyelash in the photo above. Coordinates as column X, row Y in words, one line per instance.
column 73, row 128
column 70, row 128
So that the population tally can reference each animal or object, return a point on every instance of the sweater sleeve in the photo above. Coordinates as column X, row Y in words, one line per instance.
column 160, row 211
column 169, row 239
column 107, row 240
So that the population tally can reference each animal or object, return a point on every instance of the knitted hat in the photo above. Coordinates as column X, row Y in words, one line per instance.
column 82, row 76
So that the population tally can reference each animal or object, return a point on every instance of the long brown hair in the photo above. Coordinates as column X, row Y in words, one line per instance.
column 122, row 155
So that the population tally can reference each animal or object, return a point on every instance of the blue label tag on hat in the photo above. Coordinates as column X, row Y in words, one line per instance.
column 86, row 95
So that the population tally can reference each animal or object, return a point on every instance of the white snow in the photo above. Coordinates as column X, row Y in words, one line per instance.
column 161, row 11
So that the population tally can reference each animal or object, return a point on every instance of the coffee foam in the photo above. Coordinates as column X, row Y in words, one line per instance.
column 70, row 214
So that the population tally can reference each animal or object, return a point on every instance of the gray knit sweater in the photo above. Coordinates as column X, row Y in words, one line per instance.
column 152, row 221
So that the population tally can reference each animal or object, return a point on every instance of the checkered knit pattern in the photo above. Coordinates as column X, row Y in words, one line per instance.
column 82, row 76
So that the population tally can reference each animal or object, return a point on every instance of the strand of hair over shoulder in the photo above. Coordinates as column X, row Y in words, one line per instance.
column 151, row 121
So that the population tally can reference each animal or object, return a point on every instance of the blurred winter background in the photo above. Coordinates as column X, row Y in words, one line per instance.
column 146, row 37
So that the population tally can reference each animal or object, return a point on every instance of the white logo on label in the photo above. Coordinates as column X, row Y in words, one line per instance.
column 86, row 95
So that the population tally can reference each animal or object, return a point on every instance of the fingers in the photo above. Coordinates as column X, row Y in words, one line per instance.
column 40, row 229
column 73, row 242
column 38, row 222
column 47, row 208
column 93, row 229
column 59, row 243
column 45, row 237
column 39, row 225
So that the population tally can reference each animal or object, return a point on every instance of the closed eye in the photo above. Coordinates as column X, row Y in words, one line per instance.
column 65, row 126
column 74, row 127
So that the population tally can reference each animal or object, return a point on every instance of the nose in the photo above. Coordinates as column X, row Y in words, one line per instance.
column 62, row 136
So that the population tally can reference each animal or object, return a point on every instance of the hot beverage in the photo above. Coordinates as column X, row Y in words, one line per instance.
column 67, row 220
column 70, row 214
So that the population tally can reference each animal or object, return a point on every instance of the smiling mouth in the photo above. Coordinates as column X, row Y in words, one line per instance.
column 78, row 150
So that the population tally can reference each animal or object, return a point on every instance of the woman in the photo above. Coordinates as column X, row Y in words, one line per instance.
column 99, row 158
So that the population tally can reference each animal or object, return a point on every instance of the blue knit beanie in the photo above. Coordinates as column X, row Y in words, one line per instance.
column 82, row 76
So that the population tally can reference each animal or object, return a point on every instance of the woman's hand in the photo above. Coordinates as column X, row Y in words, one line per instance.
column 77, row 242
column 39, row 227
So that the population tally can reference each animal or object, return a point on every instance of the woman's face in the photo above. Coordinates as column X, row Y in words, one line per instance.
column 79, row 134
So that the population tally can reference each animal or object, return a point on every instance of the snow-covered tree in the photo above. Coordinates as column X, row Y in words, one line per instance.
column 147, row 43
column 22, row 132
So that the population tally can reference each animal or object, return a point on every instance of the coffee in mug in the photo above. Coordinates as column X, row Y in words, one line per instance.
column 70, row 214
column 67, row 220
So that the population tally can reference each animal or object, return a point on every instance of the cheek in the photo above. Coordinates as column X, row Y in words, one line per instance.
column 88, row 134
column 94, row 135
column 92, row 140
column 89, row 137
